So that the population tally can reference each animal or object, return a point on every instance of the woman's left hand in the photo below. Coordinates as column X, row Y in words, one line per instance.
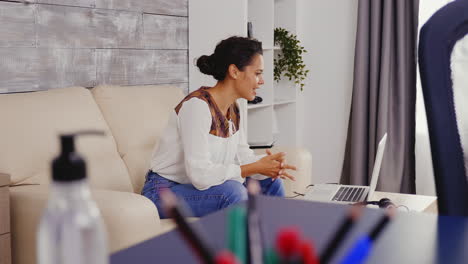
column 284, row 166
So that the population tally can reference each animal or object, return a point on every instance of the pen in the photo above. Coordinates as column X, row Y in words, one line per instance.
column 358, row 252
column 253, row 224
column 353, row 215
column 192, row 237
column 363, row 246
column 380, row 226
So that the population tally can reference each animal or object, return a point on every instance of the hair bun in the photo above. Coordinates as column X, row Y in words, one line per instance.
column 206, row 64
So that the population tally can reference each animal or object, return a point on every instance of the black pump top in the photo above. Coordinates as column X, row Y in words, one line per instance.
column 69, row 165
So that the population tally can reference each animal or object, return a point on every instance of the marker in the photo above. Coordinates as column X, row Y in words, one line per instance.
column 307, row 253
column 226, row 257
column 288, row 244
column 191, row 236
column 237, row 233
column 253, row 224
column 293, row 250
column 353, row 215
column 360, row 251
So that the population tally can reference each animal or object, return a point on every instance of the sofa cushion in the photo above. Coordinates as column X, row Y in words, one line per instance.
column 137, row 116
column 129, row 219
column 30, row 124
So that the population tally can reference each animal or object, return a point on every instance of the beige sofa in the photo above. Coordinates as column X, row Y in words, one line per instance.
column 133, row 119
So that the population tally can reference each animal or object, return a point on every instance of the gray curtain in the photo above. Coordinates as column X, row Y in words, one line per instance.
column 384, row 95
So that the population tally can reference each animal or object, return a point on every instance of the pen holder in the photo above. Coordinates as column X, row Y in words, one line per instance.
column 290, row 247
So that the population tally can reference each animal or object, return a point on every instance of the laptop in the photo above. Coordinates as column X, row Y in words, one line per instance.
column 347, row 194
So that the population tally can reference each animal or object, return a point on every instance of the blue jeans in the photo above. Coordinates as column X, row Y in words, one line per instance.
column 207, row 201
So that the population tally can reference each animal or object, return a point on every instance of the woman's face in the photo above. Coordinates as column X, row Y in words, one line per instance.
column 250, row 78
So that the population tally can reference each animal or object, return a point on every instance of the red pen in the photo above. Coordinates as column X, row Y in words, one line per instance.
column 307, row 253
column 226, row 257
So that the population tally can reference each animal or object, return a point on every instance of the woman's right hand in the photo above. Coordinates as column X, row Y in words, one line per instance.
column 274, row 166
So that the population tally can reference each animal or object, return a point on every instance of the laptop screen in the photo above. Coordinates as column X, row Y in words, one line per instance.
column 377, row 164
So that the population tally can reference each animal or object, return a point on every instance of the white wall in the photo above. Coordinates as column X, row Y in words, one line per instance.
column 327, row 29
column 205, row 33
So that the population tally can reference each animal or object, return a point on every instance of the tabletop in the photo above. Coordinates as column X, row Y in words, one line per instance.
column 409, row 238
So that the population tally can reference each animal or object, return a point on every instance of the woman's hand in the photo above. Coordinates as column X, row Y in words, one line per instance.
column 274, row 166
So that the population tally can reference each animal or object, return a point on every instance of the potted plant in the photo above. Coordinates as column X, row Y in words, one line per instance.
column 289, row 61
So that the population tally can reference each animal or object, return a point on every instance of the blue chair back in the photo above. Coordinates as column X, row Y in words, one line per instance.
column 438, row 37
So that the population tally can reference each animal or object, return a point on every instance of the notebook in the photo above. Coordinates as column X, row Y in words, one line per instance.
column 338, row 193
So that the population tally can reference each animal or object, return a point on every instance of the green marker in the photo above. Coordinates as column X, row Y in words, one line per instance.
column 237, row 233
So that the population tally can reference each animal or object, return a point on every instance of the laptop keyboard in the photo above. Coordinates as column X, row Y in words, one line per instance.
column 348, row 194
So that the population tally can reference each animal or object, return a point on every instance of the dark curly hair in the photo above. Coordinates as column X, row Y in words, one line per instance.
column 234, row 50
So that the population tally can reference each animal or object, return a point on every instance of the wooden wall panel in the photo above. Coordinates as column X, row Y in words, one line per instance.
column 139, row 67
column 18, row 69
column 17, row 27
column 30, row 69
column 71, row 27
column 165, row 32
column 57, row 43
column 83, row 3
column 66, row 67
column 166, row 7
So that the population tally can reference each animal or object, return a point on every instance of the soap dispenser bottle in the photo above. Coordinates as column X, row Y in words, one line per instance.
column 71, row 230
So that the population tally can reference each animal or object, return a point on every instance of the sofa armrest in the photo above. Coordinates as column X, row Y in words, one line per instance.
column 129, row 219
column 302, row 159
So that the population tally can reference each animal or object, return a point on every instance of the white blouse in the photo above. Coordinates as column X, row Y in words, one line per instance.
column 188, row 153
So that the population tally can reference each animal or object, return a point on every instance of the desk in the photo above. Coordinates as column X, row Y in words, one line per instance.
column 409, row 238
column 416, row 203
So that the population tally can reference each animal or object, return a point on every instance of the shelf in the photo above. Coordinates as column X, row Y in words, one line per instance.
column 272, row 48
column 282, row 102
column 254, row 106
column 261, row 145
column 265, row 120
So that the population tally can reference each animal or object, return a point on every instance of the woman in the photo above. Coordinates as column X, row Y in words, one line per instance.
column 203, row 156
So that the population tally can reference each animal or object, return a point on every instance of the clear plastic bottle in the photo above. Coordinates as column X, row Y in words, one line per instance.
column 71, row 230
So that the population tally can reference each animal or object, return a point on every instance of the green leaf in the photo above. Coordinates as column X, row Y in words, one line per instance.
column 288, row 61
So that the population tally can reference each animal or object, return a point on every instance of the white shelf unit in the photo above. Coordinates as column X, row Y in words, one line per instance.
column 271, row 48
column 260, row 105
column 282, row 102
column 277, row 123
column 273, row 120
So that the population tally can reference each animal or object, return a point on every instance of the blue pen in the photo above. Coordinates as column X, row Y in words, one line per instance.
column 359, row 252
column 338, row 238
